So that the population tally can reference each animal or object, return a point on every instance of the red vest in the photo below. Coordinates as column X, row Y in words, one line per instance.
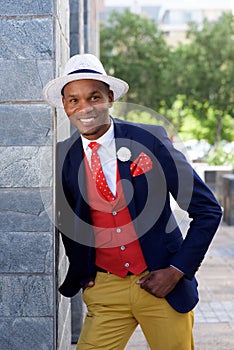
column 117, row 247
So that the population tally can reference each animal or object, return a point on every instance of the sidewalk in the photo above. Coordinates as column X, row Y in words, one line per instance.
column 214, row 315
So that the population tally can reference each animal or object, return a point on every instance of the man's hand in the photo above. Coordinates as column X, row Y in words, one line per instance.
column 88, row 284
column 160, row 282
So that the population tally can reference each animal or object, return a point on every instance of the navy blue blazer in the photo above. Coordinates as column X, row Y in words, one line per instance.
column 148, row 198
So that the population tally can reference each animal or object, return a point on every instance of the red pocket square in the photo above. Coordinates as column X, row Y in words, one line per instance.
column 141, row 165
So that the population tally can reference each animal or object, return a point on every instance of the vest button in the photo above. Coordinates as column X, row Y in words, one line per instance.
column 118, row 230
column 122, row 247
column 126, row 264
column 114, row 212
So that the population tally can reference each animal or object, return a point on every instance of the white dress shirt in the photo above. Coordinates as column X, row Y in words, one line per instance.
column 107, row 154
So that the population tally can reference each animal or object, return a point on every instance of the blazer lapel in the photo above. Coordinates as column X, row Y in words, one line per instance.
column 122, row 139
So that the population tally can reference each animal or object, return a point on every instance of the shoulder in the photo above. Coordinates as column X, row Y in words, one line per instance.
column 147, row 134
column 69, row 141
column 65, row 148
column 141, row 127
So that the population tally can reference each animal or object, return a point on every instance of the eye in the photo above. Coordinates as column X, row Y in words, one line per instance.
column 95, row 97
column 73, row 100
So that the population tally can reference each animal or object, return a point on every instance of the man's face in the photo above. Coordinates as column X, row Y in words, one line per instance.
column 86, row 103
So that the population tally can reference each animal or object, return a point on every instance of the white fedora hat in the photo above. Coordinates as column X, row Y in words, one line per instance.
column 78, row 67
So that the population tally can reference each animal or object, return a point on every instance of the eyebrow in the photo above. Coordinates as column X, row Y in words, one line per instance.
column 90, row 94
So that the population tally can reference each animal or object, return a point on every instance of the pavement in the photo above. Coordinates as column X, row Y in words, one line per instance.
column 214, row 314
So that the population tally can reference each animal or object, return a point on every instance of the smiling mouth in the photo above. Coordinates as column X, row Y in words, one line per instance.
column 87, row 120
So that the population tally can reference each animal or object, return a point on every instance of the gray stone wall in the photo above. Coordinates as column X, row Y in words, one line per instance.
column 34, row 45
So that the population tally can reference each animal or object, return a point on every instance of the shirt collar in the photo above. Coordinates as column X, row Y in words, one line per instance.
column 104, row 140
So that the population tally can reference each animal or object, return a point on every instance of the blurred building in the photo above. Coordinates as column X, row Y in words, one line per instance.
column 172, row 16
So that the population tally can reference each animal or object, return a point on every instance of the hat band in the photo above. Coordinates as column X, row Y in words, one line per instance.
column 84, row 71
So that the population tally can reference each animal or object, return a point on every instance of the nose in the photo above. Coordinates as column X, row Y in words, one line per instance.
column 85, row 107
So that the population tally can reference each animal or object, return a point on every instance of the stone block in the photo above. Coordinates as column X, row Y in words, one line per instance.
column 26, row 333
column 228, row 198
column 26, row 166
column 26, row 252
column 34, row 37
column 26, row 125
column 23, row 80
column 46, row 73
column 22, row 38
column 25, row 210
column 26, row 7
column 26, row 295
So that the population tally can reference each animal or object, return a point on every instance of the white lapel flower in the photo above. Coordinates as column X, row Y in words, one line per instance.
column 124, row 154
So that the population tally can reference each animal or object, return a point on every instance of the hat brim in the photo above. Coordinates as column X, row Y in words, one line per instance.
column 52, row 91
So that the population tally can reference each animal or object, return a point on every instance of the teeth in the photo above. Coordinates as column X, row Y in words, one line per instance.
column 87, row 120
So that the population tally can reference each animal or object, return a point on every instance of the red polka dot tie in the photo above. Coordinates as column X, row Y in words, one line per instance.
column 98, row 174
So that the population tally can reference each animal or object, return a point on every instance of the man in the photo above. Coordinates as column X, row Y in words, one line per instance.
column 123, row 243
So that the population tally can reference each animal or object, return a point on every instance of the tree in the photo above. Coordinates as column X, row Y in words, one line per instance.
column 192, row 84
column 207, row 77
column 133, row 49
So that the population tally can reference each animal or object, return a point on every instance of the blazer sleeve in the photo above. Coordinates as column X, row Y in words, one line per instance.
column 65, row 201
column 193, row 196
column 81, row 257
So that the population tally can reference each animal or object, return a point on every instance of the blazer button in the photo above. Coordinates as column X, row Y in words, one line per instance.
column 126, row 264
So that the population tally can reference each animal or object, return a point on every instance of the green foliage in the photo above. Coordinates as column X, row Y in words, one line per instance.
column 191, row 85
column 218, row 156
column 133, row 49
column 207, row 77
column 185, row 120
column 178, row 111
column 142, row 115
column 213, row 51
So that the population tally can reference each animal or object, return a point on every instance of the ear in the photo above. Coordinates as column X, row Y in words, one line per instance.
column 111, row 97
column 63, row 100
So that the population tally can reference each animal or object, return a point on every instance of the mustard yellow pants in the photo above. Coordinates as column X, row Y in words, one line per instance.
column 117, row 305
